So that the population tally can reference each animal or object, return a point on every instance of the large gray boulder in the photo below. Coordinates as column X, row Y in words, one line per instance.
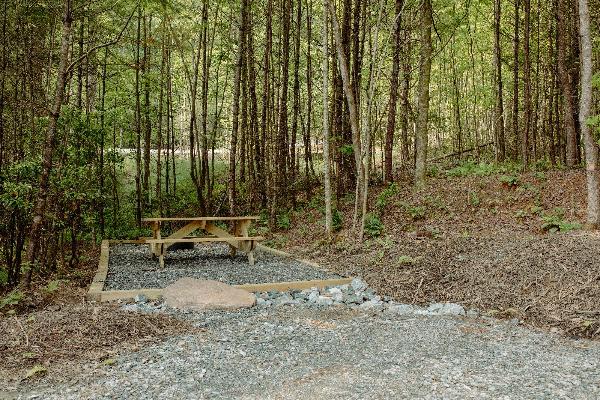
column 199, row 294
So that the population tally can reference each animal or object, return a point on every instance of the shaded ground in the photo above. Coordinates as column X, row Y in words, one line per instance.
column 478, row 241
column 293, row 352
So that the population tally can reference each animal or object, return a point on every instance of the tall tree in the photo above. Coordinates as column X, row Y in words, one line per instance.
column 562, row 11
column 326, row 162
column 50, row 140
column 391, row 122
column 592, row 149
column 499, row 106
column 423, row 93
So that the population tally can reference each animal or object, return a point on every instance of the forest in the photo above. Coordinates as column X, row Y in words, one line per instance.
column 116, row 110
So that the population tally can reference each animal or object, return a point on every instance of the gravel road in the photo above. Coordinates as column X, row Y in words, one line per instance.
column 314, row 352
column 132, row 267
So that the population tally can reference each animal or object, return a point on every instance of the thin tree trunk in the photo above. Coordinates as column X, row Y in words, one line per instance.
column 326, row 173
column 351, row 101
column 235, row 112
column 565, row 83
column 388, row 175
column 50, row 142
column 515, row 100
column 423, row 94
column 526, row 133
column 592, row 151
column 499, row 106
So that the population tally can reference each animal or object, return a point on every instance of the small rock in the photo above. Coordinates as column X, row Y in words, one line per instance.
column 324, row 301
column 353, row 299
column 402, row 309
column 140, row 298
column 371, row 305
column 358, row 284
column 472, row 313
column 446, row 309
column 313, row 296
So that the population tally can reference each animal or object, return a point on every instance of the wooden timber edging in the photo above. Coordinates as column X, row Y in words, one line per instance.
column 97, row 294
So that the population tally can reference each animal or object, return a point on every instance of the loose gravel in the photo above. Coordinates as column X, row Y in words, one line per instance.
column 308, row 351
column 132, row 267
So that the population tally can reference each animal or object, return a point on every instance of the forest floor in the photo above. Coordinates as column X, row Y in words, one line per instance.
column 484, row 239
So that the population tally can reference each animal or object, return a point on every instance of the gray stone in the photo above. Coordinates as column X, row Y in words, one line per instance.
column 285, row 298
column 358, row 284
column 336, row 294
column 324, row 301
column 403, row 309
column 313, row 296
column 371, row 305
column 196, row 294
column 472, row 313
column 353, row 299
column 446, row 309
column 140, row 298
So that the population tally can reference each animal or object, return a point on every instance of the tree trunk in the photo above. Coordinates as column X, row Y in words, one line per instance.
column 391, row 122
column 526, row 133
column 423, row 94
column 325, row 70
column 592, row 151
column 515, row 100
column 565, row 83
column 50, row 142
column 235, row 112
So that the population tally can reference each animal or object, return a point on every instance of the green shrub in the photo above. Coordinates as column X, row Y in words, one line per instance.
column 387, row 193
column 11, row 299
column 471, row 168
column 555, row 222
column 3, row 277
column 474, row 199
column 337, row 220
column 415, row 212
column 373, row 225
column 284, row 221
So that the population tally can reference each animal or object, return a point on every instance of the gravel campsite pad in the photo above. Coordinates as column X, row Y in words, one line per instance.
column 132, row 267
column 315, row 352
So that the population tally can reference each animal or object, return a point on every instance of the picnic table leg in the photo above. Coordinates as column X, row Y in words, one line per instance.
column 155, row 235
column 161, row 257
column 233, row 249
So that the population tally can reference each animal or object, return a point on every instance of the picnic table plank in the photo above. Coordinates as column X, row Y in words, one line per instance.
column 166, row 219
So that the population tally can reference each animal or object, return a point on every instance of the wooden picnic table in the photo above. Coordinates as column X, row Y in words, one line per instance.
column 238, row 239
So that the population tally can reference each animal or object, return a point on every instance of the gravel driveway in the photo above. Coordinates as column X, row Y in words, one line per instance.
column 314, row 352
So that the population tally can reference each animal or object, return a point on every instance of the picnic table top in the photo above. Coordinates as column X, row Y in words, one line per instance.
column 201, row 219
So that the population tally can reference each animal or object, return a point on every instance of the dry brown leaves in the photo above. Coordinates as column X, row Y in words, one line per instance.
column 79, row 332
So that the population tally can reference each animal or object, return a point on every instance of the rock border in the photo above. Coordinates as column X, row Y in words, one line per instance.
column 96, row 292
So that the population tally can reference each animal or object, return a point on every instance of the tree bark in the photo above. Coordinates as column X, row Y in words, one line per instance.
column 592, row 150
column 325, row 70
column 423, row 94
column 391, row 122
column 566, row 87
